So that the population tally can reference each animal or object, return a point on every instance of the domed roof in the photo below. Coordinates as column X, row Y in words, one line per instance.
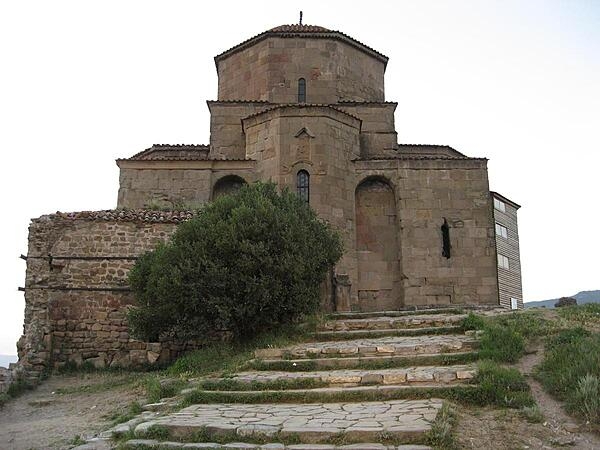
column 303, row 31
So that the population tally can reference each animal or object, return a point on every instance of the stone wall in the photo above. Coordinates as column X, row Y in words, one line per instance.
column 269, row 70
column 76, row 292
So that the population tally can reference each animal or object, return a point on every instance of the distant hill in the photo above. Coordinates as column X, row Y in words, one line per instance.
column 5, row 360
column 582, row 298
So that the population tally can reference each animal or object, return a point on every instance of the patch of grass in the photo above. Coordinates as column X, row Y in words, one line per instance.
column 272, row 385
column 364, row 363
column 584, row 315
column 157, row 388
column 441, row 435
column 502, row 344
column 158, row 432
column 533, row 414
column 463, row 394
column 77, row 440
column 502, row 386
column 473, row 322
column 229, row 357
column 132, row 410
column 571, row 362
column 505, row 336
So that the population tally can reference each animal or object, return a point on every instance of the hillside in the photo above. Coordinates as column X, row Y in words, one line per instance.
column 582, row 298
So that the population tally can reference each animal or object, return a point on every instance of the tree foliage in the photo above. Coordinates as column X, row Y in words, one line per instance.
column 246, row 263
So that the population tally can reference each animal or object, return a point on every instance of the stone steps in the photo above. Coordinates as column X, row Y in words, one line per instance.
column 136, row 444
column 400, row 421
column 408, row 376
column 386, row 322
column 393, row 313
column 373, row 333
column 325, row 395
column 385, row 346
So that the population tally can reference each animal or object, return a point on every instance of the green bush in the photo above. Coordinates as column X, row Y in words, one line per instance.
column 247, row 263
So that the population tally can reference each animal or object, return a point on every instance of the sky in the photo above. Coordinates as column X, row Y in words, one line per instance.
column 85, row 82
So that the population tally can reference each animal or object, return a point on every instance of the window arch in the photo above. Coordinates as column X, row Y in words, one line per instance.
column 303, row 185
column 301, row 90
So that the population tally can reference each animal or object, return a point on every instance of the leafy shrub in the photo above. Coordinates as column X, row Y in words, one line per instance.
column 565, row 301
column 247, row 263
column 473, row 322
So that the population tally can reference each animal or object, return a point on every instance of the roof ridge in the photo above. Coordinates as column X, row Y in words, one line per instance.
column 313, row 31
column 302, row 105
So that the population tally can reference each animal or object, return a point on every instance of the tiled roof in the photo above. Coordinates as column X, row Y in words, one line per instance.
column 429, row 149
column 297, row 28
column 237, row 101
column 171, row 151
column 302, row 105
column 303, row 31
column 125, row 215
column 399, row 156
column 351, row 102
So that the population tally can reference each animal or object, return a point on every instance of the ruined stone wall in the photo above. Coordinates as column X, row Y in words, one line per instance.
column 76, row 291
column 269, row 70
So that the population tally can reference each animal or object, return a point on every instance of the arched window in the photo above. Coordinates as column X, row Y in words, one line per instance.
column 445, row 239
column 303, row 185
column 301, row 90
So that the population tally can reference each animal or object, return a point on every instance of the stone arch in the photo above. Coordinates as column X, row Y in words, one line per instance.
column 377, row 246
column 227, row 185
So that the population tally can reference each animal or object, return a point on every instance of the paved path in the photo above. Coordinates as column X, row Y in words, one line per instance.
column 313, row 422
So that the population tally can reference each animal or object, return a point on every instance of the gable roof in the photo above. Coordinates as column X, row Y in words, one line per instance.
column 171, row 151
column 303, row 31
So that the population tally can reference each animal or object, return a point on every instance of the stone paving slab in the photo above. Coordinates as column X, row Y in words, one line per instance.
column 390, row 345
column 442, row 374
column 377, row 323
column 310, row 423
column 152, row 443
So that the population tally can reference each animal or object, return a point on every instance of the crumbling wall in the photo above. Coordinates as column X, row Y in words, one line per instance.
column 76, row 291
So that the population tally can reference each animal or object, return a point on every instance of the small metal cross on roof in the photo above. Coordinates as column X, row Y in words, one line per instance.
column 300, row 23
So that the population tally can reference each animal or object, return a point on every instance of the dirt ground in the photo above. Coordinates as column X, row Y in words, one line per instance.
column 486, row 428
column 64, row 407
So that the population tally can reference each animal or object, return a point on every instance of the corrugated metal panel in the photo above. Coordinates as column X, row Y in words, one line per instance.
column 509, row 280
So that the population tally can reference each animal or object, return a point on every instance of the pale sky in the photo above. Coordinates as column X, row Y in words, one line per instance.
column 85, row 82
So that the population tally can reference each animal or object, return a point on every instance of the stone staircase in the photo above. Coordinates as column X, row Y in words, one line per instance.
column 366, row 381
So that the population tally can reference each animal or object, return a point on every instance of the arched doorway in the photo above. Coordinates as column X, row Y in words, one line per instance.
column 227, row 185
column 377, row 246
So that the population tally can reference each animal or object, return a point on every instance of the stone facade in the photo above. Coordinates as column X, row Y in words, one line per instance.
column 303, row 107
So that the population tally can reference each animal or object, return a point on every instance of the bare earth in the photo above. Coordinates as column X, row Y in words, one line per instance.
column 486, row 428
column 63, row 407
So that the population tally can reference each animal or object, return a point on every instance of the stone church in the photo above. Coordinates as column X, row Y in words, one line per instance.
column 303, row 107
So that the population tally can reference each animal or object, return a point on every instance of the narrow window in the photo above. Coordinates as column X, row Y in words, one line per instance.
column 503, row 261
column 501, row 231
column 500, row 206
column 303, row 185
column 514, row 303
column 445, row 239
column 301, row 90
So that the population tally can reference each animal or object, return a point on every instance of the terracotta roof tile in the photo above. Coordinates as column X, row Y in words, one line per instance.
column 300, row 29
column 124, row 215
column 182, row 151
